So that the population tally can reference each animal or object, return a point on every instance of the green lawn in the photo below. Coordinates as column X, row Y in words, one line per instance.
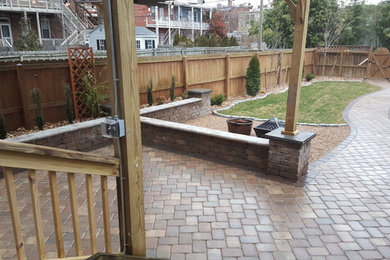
column 321, row 102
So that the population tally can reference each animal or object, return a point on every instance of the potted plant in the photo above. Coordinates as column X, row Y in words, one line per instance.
column 240, row 126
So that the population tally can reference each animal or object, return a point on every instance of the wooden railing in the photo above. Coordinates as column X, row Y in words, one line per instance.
column 54, row 161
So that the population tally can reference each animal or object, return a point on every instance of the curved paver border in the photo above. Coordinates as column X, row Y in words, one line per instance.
column 353, row 131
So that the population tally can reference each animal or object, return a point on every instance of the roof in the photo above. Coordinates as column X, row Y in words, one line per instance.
column 139, row 30
column 144, row 31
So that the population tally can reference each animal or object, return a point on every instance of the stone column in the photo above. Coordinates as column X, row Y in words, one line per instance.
column 204, row 94
column 288, row 156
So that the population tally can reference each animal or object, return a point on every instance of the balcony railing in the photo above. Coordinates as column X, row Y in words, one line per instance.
column 49, row 5
column 53, row 162
column 165, row 23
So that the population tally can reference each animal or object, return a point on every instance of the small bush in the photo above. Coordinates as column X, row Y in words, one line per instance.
column 69, row 104
column 253, row 77
column 150, row 93
column 172, row 89
column 184, row 95
column 160, row 100
column 92, row 94
column 37, row 100
column 217, row 100
column 310, row 76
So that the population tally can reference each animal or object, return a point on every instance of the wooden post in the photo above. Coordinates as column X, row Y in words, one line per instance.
column 24, row 95
column 279, row 72
column 341, row 61
column 227, row 75
column 300, row 15
column 314, row 62
column 125, row 60
column 369, row 62
column 185, row 73
column 14, row 211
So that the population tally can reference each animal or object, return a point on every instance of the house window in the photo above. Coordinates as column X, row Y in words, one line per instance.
column 101, row 44
column 5, row 32
column 149, row 44
column 138, row 43
column 161, row 13
column 153, row 13
column 45, row 28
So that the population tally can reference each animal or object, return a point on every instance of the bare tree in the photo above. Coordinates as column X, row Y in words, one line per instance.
column 332, row 32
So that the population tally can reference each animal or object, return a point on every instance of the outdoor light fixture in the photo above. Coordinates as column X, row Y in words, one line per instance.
column 149, row 8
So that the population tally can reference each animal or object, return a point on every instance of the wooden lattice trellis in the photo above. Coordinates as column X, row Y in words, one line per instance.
column 81, row 65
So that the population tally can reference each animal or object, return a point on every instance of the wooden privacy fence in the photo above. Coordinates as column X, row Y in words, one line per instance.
column 55, row 161
column 224, row 74
column 352, row 62
column 221, row 73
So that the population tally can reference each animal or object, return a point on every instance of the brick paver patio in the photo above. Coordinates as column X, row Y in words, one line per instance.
column 201, row 209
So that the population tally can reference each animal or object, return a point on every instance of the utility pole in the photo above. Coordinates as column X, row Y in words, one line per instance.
column 260, row 40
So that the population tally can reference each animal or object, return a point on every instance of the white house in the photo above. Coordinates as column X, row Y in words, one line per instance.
column 145, row 38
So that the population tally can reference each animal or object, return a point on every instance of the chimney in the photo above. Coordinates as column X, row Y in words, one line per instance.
column 230, row 2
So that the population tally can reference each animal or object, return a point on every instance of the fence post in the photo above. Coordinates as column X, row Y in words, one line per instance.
column 315, row 61
column 24, row 95
column 369, row 62
column 185, row 73
column 341, row 61
column 227, row 73
column 279, row 69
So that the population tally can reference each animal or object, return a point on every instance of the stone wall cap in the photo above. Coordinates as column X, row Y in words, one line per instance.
column 300, row 138
column 205, row 131
column 199, row 91
column 56, row 131
column 152, row 109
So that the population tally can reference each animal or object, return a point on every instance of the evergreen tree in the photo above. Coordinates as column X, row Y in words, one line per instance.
column 233, row 41
column 355, row 24
column 383, row 24
column 253, row 77
column 279, row 27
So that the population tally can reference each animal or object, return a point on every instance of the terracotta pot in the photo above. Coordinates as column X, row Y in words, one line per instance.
column 240, row 126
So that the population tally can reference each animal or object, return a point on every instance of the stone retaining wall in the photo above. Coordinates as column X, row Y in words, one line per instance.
column 286, row 156
column 197, row 105
column 84, row 136
column 245, row 150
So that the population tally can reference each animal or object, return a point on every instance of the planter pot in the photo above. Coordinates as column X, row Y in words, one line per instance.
column 240, row 126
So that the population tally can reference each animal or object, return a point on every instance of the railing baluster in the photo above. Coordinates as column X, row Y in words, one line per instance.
column 106, row 213
column 75, row 213
column 56, row 214
column 32, row 177
column 10, row 185
column 91, row 213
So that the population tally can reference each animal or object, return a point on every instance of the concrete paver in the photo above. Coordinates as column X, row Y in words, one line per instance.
column 201, row 209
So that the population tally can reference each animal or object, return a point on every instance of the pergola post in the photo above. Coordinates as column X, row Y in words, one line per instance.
column 289, row 150
column 129, row 147
column 300, row 15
